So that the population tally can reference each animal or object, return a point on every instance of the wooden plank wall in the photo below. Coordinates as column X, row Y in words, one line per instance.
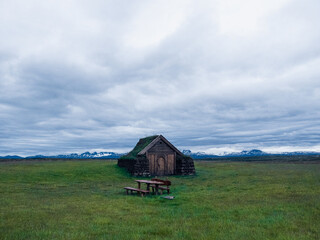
column 171, row 164
column 161, row 150
column 152, row 159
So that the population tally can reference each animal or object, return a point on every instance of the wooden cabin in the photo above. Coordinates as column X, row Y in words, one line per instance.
column 156, row 156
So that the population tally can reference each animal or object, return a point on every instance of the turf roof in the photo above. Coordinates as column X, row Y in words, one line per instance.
column 143, row 142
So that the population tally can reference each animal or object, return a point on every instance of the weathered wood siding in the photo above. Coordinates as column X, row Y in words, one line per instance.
column 161, row 159
column 171, row 164
column 152, row 158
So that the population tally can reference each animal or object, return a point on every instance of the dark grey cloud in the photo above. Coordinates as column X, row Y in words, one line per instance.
column 210, row 76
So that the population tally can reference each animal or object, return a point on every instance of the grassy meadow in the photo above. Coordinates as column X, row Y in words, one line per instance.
column 225, row 200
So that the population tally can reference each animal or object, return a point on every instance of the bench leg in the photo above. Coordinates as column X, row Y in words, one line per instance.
column 127, row 191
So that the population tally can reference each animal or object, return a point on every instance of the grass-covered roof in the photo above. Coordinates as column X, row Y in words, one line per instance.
column 143, row 142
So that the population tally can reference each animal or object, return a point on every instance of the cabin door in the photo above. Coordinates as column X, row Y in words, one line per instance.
column 160, row 166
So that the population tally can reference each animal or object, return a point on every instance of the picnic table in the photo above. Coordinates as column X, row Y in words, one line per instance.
column 149, row 182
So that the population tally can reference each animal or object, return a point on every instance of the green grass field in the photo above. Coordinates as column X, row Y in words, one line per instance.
column 85, row 200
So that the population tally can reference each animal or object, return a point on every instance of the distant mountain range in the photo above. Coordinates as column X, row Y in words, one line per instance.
column 198, row 155
column 85, row 155
column 251, row 153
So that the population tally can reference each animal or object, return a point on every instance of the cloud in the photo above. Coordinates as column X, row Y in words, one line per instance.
column 76, row 76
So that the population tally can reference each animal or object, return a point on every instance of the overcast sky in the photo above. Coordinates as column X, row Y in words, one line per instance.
column 210, row 76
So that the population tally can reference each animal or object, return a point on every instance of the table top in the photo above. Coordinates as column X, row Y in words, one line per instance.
column 149, row 181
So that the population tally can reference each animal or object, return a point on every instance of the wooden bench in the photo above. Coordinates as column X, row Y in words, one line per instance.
column 165, row 187
column 141, row 191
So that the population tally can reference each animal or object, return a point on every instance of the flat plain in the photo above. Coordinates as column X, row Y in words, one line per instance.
column 224, row 200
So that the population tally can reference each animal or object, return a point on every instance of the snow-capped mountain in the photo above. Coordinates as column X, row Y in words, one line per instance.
column 253, row 152
column 91, row 155
column 197, row 155
column 244, row 153
column 85, row 155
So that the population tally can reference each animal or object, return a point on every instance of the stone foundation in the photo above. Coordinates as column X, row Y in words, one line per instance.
column 184, row 165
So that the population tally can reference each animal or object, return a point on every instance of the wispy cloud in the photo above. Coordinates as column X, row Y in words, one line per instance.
column 218, row 74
